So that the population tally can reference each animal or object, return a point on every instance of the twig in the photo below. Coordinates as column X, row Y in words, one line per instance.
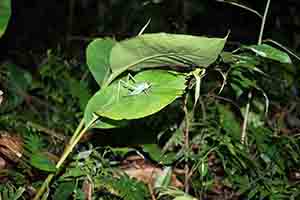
column 186, row 144
column 245, row 122
column 242, row 6
column 262, row 27
column 151, row 191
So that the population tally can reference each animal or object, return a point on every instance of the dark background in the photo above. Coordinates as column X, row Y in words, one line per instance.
column 36, row 26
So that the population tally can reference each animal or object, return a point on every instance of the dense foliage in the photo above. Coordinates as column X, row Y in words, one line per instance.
column 152, row 116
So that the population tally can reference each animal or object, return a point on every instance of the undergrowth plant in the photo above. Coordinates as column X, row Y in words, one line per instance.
column 209, row 144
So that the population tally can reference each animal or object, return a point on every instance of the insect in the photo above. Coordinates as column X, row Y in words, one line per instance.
column 136, row 88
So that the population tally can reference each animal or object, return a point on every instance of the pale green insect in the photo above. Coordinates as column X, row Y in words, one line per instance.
column 136, row 88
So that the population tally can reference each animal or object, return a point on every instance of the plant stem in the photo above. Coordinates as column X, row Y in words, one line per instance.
column 79, row 127
column 262, row 27
column 186, row 144
column 245, row 122
column 79, row 132
column 242, row 6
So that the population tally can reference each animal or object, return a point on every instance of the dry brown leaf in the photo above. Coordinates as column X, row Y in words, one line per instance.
column 11, row 146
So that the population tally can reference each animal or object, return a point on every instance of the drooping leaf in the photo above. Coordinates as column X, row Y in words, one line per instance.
column 269, row 52
column 5, row 12
column 115, row 102
column 161, row 49
column 98, row 53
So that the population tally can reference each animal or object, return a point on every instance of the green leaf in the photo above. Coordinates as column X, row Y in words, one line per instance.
column 269, row 52
column 41, row 162
column 115, row 102
column 73, row 173
column 19, row 193
column 158, row 155
column 98, row 53
column 99, row 100
column 162, row 49
column 64, row 190
column 5, row 12
column 185, row 197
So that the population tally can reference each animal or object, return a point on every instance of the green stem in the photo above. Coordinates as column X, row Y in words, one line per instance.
column 79, row 132
column 262, row 27
column 245, row 122
column 79, row 127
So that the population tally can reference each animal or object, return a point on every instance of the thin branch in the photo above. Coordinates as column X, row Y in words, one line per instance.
column 242, row 6
column 186, row 143
column 262, row 27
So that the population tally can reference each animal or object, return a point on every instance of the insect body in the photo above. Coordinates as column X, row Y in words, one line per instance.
column 139, row 88
column 134, row 88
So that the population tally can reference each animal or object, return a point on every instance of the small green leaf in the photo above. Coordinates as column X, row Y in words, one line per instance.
column 64, row 190
column 164, row 179
column 41, row 162
column 269, row 52
column 73, row 173
column 158, row 155
column 5, row 12
column 98, row 54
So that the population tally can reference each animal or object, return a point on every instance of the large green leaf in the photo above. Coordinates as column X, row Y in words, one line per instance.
column 5, row 12
column 114, row 102
column 161, row 49
column 98, row 53
column 270, row 52
column 165, row 88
